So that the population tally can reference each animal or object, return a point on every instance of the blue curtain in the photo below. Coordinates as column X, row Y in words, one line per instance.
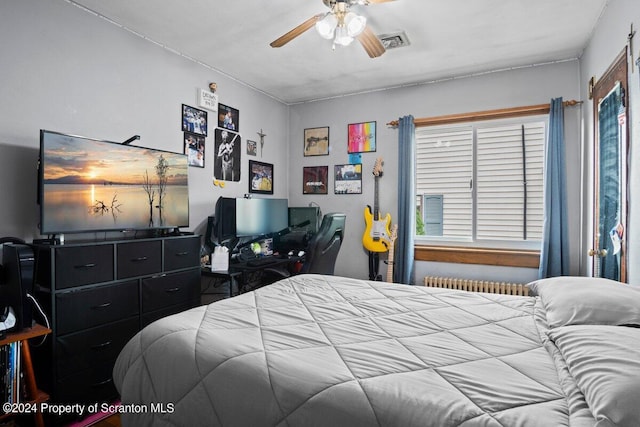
column 554, row 254
column 403, row 268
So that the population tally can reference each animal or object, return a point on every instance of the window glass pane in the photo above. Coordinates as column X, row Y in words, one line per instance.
column 444, row 168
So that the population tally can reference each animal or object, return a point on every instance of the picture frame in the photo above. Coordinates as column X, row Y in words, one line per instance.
column 316, row 141
column 227, row 155
column 252, row 148
column 228, row 118
column 207, row 100
column 315, row 179
column 194, row 146
column 361, row 137
column 194, row 120
column 260, row 177
column 347, row 179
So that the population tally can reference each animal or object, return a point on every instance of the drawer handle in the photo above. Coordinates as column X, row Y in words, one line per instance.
column 85, row 266
column 101, row 306
column 185, row 253
column 139, row 259
column 101, row 383
column 101, row 346
column 171, row 290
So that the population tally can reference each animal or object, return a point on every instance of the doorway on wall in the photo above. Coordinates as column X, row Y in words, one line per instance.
column 611, row 130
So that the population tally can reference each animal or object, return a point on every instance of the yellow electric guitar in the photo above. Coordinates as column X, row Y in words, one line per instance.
column 390, row 262
column 376, row 233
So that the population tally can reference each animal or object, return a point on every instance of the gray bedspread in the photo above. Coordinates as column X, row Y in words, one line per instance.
column 317, row 350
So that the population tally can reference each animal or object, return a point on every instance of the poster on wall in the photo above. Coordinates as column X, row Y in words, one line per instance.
column 315, row 179
column 252, row 147
column 194, row 149
column 227, row 155
column 194, row 120
column 361, row 137
column 228, row 118
column 316, row 141
column 347, row 179
column 261, row 177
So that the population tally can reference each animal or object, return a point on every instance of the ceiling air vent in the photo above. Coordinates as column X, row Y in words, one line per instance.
column 394, row 40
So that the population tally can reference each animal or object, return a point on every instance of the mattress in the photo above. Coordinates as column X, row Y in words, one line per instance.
column 315, row 350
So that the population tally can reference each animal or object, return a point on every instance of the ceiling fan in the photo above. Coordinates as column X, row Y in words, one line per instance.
column 341, row 25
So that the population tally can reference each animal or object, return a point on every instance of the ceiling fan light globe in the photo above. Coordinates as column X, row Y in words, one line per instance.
column 354, row 24
column 342, row 37
column 326, row 26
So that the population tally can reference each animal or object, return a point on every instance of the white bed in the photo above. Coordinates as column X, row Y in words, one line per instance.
column 315, row 350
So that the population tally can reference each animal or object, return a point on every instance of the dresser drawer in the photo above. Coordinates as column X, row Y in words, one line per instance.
column 82, row 265
column 139, row 258
column 82, row 350
column 181, row 253
column 89, row 386
column 170, row 289
column 78, row 310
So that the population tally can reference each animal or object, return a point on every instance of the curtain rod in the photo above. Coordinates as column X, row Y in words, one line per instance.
column 486, row 115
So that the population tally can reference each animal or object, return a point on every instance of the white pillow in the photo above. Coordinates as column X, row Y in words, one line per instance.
column 574, row 300
column 605, row 362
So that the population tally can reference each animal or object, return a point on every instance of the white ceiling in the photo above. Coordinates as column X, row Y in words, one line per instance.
column 448, row 39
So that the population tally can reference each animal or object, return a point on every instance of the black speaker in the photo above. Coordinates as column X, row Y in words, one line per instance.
column 18, row 269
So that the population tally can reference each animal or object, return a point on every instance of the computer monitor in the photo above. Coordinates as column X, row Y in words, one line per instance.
column 300, row 215
column 222, row 226
column 257, row 217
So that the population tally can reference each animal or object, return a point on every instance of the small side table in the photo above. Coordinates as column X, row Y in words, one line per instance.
column 34, row 395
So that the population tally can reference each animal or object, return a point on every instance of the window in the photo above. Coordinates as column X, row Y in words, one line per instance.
column 482, row 182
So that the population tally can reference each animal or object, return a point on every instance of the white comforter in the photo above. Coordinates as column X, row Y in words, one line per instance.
column 317, row 350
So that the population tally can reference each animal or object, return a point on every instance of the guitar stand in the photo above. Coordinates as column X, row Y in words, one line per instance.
column 374, row 266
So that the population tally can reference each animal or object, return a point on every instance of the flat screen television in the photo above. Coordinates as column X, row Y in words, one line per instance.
column 87, row 185
column 257, row 217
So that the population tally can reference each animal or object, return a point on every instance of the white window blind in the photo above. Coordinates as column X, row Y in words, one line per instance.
column 445, row 167
column 489, row 178
column 508, row 207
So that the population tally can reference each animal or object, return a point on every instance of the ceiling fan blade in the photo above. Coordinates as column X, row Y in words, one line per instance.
column 371, row 43
column 286, row 38
column 378, row 1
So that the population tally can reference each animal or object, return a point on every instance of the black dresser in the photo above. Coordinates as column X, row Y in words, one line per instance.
column 97, row 296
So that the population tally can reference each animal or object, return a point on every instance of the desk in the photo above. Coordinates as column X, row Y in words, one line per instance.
column 243, row 273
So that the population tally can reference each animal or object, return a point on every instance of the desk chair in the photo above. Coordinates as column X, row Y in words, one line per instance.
column 322, row 250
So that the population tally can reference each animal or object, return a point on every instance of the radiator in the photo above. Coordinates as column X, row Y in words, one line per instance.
column 477, row 285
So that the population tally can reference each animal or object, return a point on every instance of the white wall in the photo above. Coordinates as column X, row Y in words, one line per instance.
column 66, row 70
column 526, row 86
column 606, row 43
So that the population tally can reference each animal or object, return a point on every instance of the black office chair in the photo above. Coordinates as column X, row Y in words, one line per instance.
column 321, row 252
column 323, row 248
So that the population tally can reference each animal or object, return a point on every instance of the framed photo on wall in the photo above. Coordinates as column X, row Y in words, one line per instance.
column 361, row 137
column 347, row 179
column 315, row 179
column 228, row 118
column 260, row 177
column 194, row 149
column 194, row 120
column 252, row 147
column 228, row 155
column 316, row 141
